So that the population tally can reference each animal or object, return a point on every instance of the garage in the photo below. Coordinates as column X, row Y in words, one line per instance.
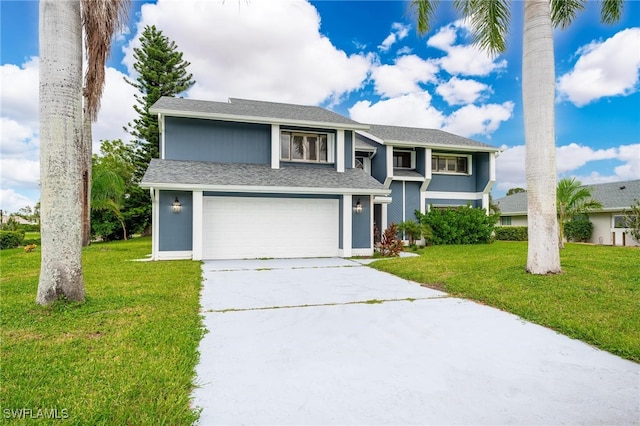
column 257, row 227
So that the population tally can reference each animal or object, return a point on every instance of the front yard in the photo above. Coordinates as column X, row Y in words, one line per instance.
column 596, row 299
column 127, row 355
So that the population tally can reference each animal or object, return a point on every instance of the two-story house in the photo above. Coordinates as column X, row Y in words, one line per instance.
column 253, row 179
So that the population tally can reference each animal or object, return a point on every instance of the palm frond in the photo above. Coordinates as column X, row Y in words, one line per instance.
column 489, row 22
column 611, row 11
column 100, row 20
column 563, row 12
column 424, row 11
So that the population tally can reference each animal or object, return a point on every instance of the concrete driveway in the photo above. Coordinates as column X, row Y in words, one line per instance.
column 330, row 341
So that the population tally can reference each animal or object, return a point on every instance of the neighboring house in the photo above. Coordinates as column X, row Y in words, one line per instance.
column 253, row 179
column 608, row 222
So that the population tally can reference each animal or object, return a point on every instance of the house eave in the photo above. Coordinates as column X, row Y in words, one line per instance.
column 445, row 147
column 263, row 189
column 258, row 120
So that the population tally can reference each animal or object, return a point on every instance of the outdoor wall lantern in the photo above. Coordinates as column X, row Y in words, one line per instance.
column 176, row 206
column 358, row 207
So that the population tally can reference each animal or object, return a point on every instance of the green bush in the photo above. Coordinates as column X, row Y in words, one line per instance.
column 31, row 228
column 11, row 239
column 511, row 233
column 579, row 229
column 460, row 225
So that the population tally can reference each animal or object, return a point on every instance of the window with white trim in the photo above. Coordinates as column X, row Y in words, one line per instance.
column 306, row 147
column 404, row 159
column 451, row 164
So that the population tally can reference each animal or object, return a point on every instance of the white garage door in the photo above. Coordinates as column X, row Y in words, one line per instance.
column 245, row 228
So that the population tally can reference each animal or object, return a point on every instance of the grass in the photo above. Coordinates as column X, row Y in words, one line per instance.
column 596, row 299
column 125, row 356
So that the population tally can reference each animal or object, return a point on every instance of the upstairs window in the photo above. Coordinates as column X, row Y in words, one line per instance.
column 305, row 147
column 403, row 159
column 450, row 164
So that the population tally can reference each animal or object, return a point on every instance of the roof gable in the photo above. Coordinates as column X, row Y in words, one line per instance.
column 393, row 135
column 254, row 111
column 613, row 196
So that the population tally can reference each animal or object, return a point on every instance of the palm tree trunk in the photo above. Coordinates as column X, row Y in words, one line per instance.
column 87, row 142
column 60, row 148
column 538, row 90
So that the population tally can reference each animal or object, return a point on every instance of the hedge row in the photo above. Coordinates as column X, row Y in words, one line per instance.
column 511, row 233
column 11, row 239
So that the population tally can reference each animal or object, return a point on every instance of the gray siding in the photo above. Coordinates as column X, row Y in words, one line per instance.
column 481, row 170
column 348, row 149
column 176, row 232
column 453, row 183
column 412, row 200
column 379, row 164
column 362, row 227
column 394, row 210
column 217, row 141
column 421, row 167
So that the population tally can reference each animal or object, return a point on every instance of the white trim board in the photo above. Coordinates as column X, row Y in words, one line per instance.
column 453, row 195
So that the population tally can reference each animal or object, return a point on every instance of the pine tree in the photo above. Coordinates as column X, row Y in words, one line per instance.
column 161, row 72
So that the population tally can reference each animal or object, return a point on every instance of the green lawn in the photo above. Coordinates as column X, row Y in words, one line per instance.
column 126, row 356
column 596, row 299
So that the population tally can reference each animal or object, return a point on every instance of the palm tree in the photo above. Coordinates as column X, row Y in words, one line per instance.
column 573, row 199
column 61, row 137
column 490, row 21
column 107, row 193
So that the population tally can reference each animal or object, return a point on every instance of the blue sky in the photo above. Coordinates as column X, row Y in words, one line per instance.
column 362, row 59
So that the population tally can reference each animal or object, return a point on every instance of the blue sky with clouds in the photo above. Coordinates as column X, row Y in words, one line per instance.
column 362, row 59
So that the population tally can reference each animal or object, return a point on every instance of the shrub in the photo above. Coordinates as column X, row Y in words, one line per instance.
column 11, row 225
column 579, row 229
column 511, row 233
column 412, row 229
column 10, row 239
column 460, row 225
column 390, row 244
column 31, row 228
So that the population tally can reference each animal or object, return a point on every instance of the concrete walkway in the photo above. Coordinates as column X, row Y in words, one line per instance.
column 333, row 342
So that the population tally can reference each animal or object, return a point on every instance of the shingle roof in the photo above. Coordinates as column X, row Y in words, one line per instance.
column 431, row 137
column 514, row 203
column 265, row 111
column 223, row 176
column 613, row 196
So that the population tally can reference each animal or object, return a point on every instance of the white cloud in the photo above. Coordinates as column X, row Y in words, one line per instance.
column 478, row 120
column 608, row 68
column 510, row 165
column 411, row 110
column 398, row 32
column 116, row 109
column 11, row 201
column 463, row 59
column 19, row 125
column 404, row 76
column 20, row 173
column 573, row 156
column 459, row 91
column 19, row 93
column 257, row 50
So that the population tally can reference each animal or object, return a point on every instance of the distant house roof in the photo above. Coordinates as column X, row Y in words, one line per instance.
column 396, row 135
column 614, row 196
column 254, row 111
column 233, row 177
